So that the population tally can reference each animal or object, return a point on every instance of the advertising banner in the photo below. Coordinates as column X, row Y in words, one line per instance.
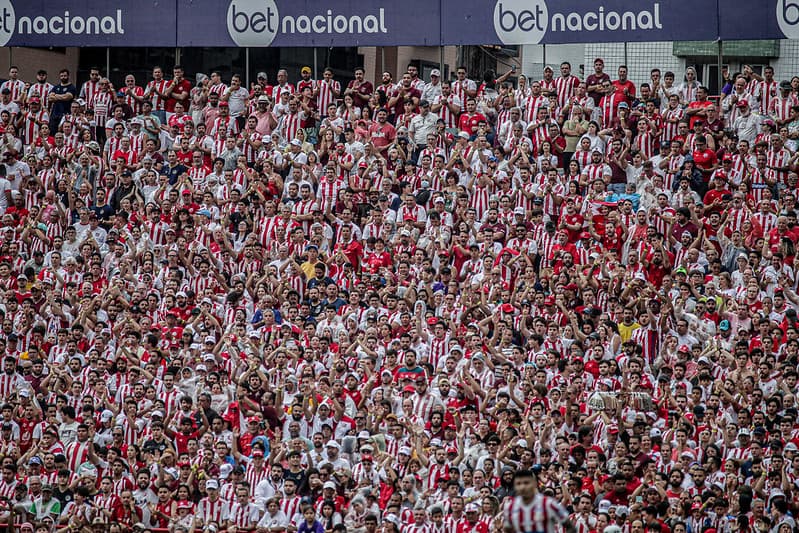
column 768, row 19
column 516, row 22
column 301, row 23
column 87, row 23
column 307, row 23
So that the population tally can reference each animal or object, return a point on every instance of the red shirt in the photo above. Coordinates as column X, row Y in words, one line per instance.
column 375, row 261
column 704, row 159
column 182, row 87
column 698, row 105
column 466, row 527
column 468, row 123
column 571, row 220
column 621, row 86
column 353, row 251
column 181, row 440
column 382, row 135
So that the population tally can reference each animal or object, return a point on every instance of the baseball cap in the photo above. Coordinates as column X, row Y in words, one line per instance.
column 436, row 72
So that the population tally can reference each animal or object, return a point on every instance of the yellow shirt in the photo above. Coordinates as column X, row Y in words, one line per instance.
column 625, row 332
column 309, row 269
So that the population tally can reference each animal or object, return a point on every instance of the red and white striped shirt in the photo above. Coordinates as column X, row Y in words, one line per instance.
column 450, row 119
column 244, row 516
column 77, row 454
column 42, row 90
column 565, row 86
column 767, row 91
column 460, row 89
column 157, row 100
column 542, row 515
column 102, row 102
column 670, row 128
column 209, row 511
column 780, row 108
column 16, row 87
column 531, row 106
column 327, row 94
column 290, row 506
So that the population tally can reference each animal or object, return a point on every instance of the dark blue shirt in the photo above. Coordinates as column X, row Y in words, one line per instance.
column 62, row 108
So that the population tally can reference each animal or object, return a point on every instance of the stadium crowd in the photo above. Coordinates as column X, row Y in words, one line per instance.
column 523, row 303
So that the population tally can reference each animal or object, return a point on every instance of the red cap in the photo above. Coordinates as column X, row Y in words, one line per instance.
column 366, row 457
column 549, row 300
column 408, row 388
column 742, row 103
column 223, row 104
column 507, row 308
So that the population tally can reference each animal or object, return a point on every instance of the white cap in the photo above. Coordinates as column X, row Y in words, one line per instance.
column 405, row 450
column 604, row 505
column 364, row 435
column 329, row 485
column 333, row 444
column 435, row 72
column 225, row 470
column 106, row 415
column 157, row 413
column 210, row 338
column 211, row 484
column 296, row 142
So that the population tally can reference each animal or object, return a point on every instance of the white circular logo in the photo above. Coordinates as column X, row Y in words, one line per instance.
column 521, row 21
column 8, row 21
column 252, row 22
column 788, row 18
